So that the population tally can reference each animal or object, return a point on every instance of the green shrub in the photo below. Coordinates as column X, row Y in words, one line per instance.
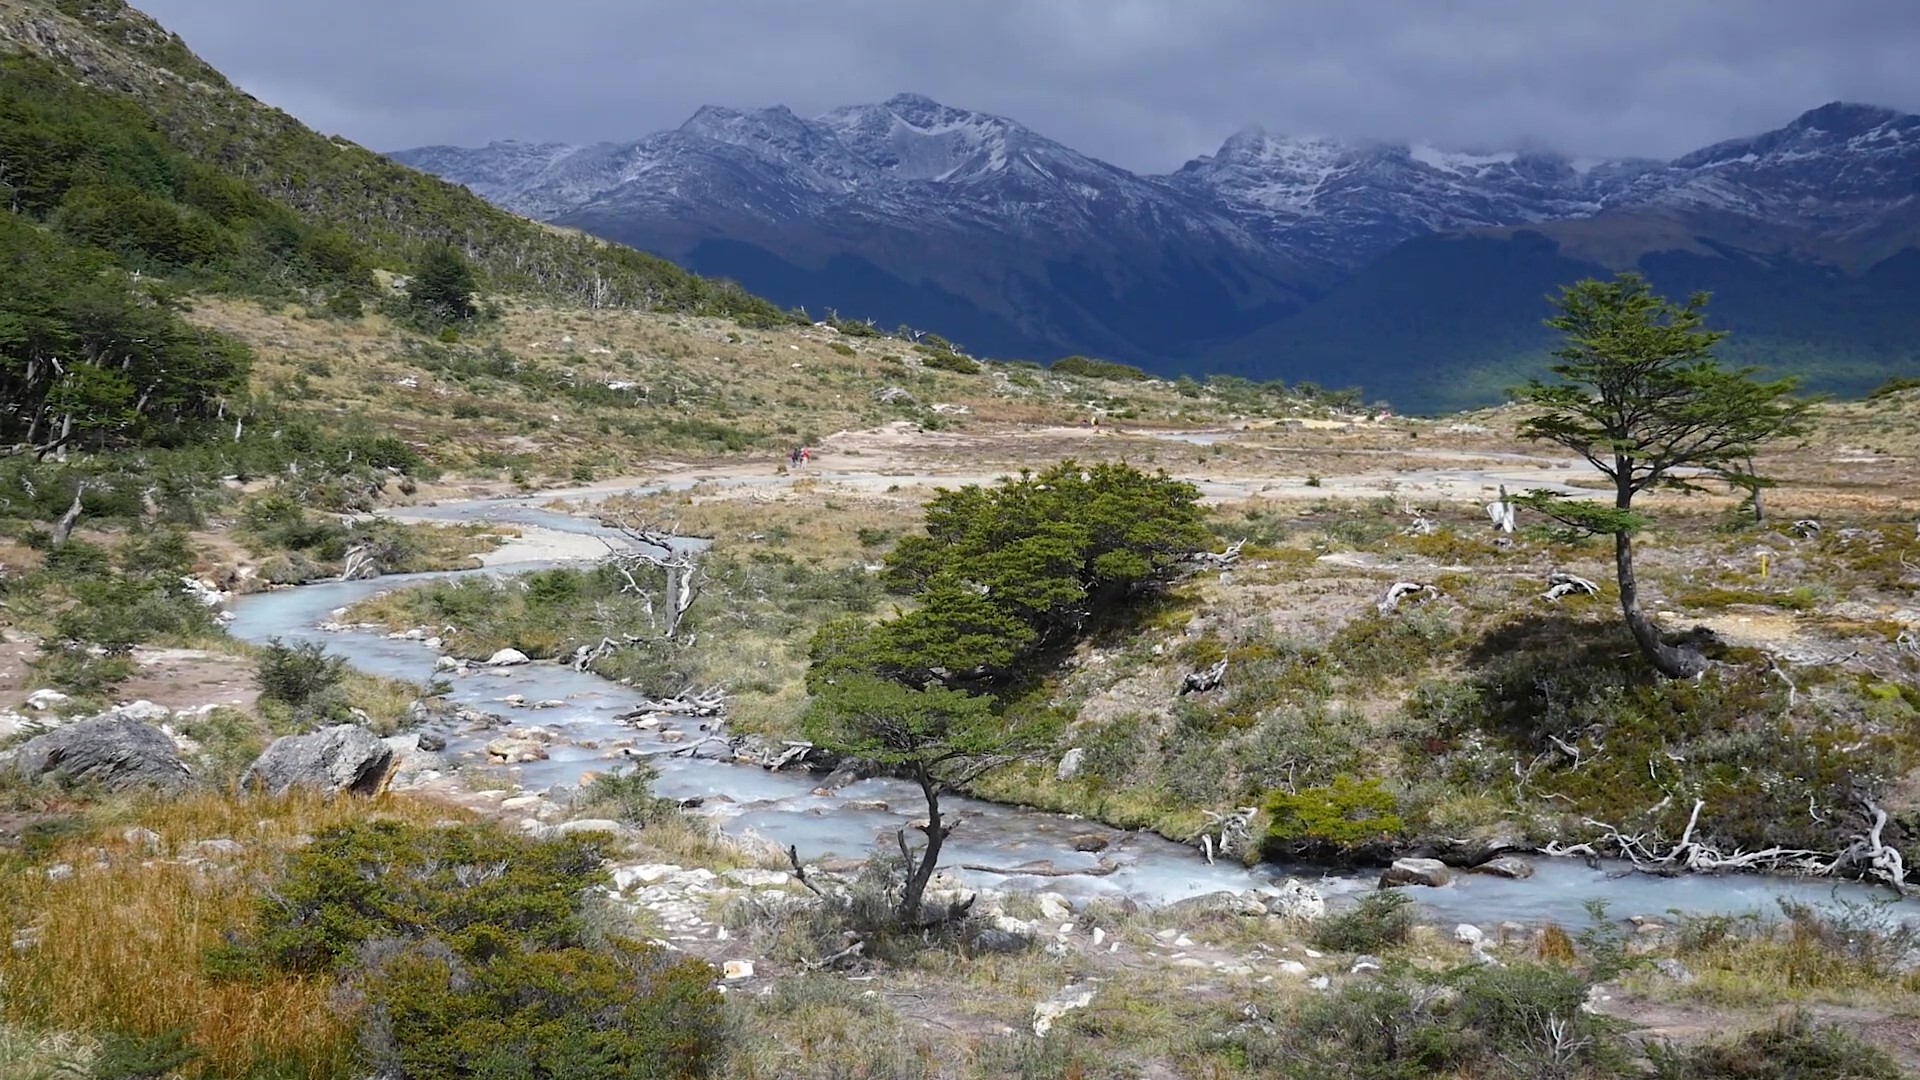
column 469, row 953
column 475, row 888
column 302, row 677
column 1795, row 1048
column 1341, row 818
column 625, row 1011
column 628, row 796
column 946, row 361
column 1378, row 922
column 841, row 347
column 1518, row 1022
column 1098, row 369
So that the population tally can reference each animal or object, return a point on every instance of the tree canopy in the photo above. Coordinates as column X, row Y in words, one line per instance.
column 1641, row 398
column 1003, row 577
column 441, row 291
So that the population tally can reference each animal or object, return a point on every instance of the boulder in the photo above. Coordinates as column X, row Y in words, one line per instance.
column 1294, row 900
column 1505, row 866
column 144, row 711
column 1090, row 842
column 516, row 751
column 1469, row 935
column 346, row 757
column 111, row 753
column 1429, row 872
column 1054, row 907
column 1070, row 763
column 508, row 658
column 1001, row 941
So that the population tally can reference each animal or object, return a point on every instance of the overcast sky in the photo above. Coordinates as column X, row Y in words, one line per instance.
column 1145, row 84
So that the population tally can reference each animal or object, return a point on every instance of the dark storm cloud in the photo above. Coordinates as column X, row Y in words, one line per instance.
column 1143, row 83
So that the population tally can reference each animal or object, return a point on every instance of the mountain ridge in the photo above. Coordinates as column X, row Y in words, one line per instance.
column 1014, row 244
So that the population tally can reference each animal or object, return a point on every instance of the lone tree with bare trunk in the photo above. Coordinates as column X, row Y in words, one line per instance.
column 1642, row 398
column 1005, row 582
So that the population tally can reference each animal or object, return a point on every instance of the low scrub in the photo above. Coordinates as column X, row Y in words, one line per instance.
column 1794, row 1048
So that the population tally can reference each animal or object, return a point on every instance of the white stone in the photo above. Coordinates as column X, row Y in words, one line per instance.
column 736, row 969
column 1469, row 935
column 507, row 658
column 1292, row 967
column 43, row 700
column 1047, row 1012
column 1319, row 982
column 1054, row 907
column 1070, row 763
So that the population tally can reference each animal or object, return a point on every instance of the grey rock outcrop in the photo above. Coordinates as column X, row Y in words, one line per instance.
column 343, row 758
column 1429, row 872
column 112, row 753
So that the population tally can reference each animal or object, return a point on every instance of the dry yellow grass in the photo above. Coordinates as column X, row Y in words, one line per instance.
column 121, row 936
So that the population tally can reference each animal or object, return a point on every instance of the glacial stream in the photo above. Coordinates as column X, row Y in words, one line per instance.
column 782, row 806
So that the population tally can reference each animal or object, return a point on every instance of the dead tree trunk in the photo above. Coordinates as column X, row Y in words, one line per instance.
column 63, row 529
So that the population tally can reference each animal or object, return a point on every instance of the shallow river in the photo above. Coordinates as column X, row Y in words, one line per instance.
column 782, row 807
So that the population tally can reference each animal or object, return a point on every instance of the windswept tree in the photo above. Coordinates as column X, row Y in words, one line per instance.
column 1642, row 398
column 1005, row 579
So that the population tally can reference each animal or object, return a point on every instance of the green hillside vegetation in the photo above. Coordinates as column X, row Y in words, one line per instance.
column 154, row 107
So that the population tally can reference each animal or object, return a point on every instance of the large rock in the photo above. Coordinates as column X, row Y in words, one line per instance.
column 1295, row 900
column 343, row 758
column 507, row 658
column 111, row 753
column 1070, row 764
column 1505, row 866
column 1429, row 872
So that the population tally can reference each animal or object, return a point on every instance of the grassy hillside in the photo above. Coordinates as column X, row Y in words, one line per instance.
column 144, row 77
column 1449, row 322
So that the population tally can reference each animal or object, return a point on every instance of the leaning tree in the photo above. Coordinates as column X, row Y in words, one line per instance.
column 1642, row 398
column 1006, row 579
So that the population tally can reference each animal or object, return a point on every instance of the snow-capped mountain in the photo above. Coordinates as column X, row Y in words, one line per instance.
column 1014, row 244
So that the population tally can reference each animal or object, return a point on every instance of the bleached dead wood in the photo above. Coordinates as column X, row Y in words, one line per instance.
column 1501, row 513
column 1234, row 829
column 1101, row 869
column 63, row 528
column 1806, row 528
column 1422, row 524
column 687, row 703
column 1561, row 584
column 1401, row 590
column 1199, row 682
column 359, row 564
column 1869, row 853
column 1220, row 560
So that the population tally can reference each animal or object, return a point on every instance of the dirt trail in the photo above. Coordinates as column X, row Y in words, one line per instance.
column 895, row 457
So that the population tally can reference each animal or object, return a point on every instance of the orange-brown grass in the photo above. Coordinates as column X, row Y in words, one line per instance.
column 122, row 946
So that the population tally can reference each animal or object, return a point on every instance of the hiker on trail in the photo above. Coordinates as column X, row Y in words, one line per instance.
column 806, row 456
column 793, row 458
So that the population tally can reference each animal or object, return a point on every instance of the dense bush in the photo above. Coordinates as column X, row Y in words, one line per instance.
column 1794, row 1048
column 469, row 952
column 1524, row 1021
column 1098, row 369
column 1378, row 922
column 1344, row 817
column 303, row 678
column 954, row 362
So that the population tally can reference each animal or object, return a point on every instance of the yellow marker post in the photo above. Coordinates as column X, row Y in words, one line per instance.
column 1763, row 564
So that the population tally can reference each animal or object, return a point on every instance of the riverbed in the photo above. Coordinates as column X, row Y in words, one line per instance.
column 782, row 807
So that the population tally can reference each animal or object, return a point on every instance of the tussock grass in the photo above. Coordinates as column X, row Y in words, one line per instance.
column 121, row 941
